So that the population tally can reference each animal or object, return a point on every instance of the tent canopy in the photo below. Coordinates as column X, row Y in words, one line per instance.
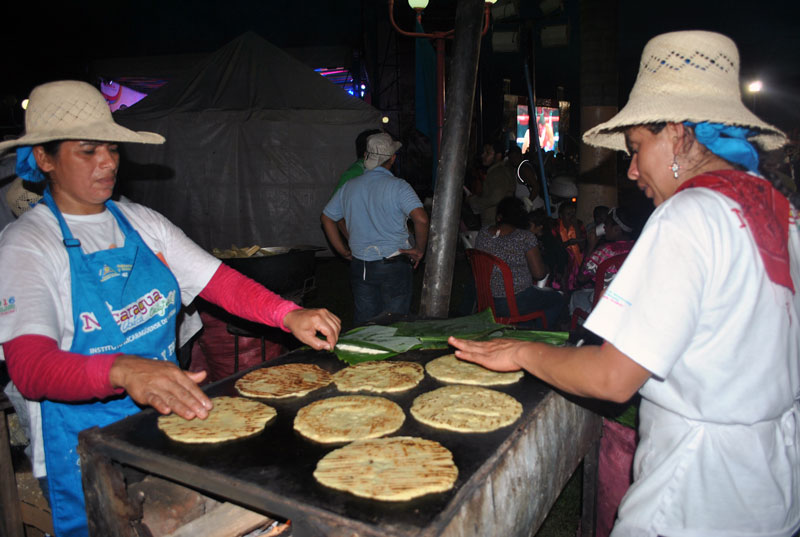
column 256, row 141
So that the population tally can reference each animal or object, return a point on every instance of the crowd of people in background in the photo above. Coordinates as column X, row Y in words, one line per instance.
column 554, row 258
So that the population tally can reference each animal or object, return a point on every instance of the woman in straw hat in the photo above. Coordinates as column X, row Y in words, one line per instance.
column 702, row 319
column 90, row 292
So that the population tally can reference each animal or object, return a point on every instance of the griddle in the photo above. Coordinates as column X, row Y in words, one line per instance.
column 272, row 471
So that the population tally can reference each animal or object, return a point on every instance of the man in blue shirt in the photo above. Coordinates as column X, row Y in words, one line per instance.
column 376, row 208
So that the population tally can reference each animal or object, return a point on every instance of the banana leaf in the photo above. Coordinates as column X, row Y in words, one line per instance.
column 373, row 343
column 469, row 327
column 540, row 336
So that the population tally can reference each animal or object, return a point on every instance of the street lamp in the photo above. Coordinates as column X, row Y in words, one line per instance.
column 438, row 37
column 753, row 88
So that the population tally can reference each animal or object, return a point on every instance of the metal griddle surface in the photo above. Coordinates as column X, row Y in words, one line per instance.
column 281, row 461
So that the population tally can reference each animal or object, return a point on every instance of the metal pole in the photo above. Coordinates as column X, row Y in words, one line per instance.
column 440, row 44
column 533, row 131
column 443, row 236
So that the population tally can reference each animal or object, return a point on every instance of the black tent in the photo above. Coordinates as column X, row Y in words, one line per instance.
column 255, row 143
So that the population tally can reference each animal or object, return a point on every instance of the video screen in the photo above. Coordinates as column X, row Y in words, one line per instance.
column 547, row 127
column 118, row 96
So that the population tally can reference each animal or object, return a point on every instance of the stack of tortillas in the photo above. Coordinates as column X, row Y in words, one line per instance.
column 392, row 469
column 467, row 409
column 383, row 376
column 448, row 368
column 348, row 417
column 289, row 380
column 231, row 418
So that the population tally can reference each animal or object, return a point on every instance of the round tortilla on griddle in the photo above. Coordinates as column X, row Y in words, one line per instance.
column 391, row 469
column 380, row 377
column 466, row 409
column 348, row 417
column 231, row 418
column 448, row 368
column 288, row 380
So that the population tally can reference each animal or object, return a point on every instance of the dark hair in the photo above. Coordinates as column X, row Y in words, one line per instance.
column 600, row 209
column 514, row 148
column 52, row 147
column 627, row 217
column 361, row 141
column 538, row 217
column 770, row 175
column 511, row 210
column 499, row 147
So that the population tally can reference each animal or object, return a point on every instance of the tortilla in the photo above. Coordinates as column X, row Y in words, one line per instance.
column 348, row 417
column 280, row 381
column 448, row 368
column 379, row 377
column 231, row 418
column 466, row 409
column 390, row 469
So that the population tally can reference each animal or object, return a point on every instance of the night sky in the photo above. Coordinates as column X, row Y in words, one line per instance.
column 59, row 41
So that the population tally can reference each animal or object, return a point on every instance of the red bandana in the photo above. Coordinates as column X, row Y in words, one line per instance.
column 766, row 212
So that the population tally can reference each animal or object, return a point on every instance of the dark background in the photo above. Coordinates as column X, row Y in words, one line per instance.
column 54, row 41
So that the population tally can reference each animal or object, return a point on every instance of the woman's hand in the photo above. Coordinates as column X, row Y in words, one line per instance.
column 496, row 354
column 161, row 385
column 305, row 323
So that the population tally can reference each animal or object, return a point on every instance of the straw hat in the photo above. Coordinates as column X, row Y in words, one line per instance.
column 73, row 110
column 19, row 198
column 686, row 76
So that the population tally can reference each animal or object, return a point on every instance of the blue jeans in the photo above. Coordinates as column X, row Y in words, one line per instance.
column 380, row 287
column 532, row 299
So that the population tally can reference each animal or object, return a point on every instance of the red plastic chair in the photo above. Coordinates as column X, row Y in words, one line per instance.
column 482, row 264
column 613, row 262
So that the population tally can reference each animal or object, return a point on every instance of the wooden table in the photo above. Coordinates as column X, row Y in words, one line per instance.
column 508, row 481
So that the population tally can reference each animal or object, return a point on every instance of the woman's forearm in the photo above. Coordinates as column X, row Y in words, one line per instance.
column 40, row 370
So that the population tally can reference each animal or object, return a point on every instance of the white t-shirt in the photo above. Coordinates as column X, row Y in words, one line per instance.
column 718, row 428
column 35, row 291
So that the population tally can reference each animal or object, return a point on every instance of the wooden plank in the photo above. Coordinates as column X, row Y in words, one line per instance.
column 9, row 499
column 108, row 509
column 589, row 503
column 225, row 520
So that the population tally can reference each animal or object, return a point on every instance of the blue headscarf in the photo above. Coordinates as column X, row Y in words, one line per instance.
column 26, row 165
column 728, row 142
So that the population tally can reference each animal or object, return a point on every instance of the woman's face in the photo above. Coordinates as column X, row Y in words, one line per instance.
column 82, row 174
column 651, row 161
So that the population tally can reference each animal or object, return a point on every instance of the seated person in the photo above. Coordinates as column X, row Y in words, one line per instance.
column 620, row 236
column 595, row 231
column 510, row 240
column 573, row 234
column 554, row 253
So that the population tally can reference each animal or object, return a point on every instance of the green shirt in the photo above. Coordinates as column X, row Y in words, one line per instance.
column 356, row 169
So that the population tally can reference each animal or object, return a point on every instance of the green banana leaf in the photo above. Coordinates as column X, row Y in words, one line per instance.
column 360, row 344
column 376, row 342
column 469, row 327
column 540, row 336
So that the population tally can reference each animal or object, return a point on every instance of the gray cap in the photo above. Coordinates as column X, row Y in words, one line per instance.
column 380, row 148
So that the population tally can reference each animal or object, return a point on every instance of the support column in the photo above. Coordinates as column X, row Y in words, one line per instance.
column 443, row 235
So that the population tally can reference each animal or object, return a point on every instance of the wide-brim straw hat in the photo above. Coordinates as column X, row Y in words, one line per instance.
column 19, row 198
column 686, row 76
column 73, row 110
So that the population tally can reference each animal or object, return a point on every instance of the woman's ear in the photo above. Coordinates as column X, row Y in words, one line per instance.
column 678, row 136
column 43, row 160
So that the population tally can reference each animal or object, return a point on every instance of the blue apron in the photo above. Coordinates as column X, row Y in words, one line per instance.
column 123, row 300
